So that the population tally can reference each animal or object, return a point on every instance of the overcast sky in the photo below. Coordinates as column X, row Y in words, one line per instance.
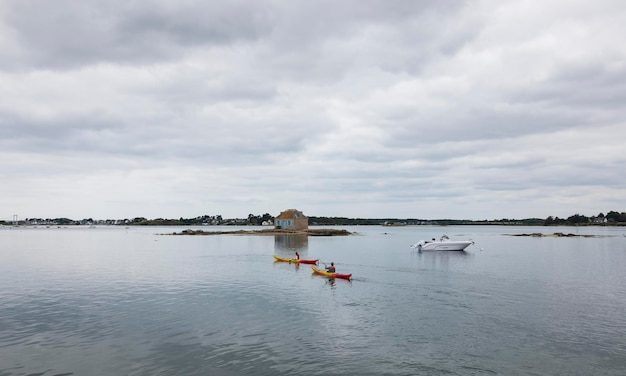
column 482, row 109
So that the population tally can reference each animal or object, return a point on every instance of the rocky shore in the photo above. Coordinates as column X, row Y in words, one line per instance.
column 555, row 235
column 272, row 231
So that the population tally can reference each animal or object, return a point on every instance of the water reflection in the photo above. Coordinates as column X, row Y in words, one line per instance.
column 441, row 258
column 292, row 243
column 330, row 281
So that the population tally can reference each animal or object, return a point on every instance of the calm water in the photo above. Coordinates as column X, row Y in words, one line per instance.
column 116, row 301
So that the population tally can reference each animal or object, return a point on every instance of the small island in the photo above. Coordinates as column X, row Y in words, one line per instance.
column 269, row 231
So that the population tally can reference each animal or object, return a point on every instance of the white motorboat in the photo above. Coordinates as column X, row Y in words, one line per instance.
column 443, row 244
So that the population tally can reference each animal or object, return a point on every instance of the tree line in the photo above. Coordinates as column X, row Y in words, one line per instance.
column 612, row 218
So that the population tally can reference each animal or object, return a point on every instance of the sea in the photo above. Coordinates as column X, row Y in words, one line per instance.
column 140, row 301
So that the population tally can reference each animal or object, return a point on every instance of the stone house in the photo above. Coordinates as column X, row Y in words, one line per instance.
column 292, row 219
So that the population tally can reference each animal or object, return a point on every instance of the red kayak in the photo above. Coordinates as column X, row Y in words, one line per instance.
column 295, row 261
column 329, row 274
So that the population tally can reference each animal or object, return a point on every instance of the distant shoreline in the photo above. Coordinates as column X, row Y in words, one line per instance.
column 272, row 231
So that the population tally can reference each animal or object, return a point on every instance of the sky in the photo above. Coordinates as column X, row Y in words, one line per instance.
column 483, row 109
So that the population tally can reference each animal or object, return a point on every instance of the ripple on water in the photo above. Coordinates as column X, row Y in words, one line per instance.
column 127, row 305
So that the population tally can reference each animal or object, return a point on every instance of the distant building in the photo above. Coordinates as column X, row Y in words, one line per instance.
column 292, row 219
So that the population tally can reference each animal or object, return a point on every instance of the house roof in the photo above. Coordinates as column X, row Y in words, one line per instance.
column 291, row 214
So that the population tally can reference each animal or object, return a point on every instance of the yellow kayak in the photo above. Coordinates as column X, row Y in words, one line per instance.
column 329, row 274
column 295, row 261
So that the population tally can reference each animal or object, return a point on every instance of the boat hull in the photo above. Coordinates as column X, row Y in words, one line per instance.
column 456, row 245
column 329, row 274
column 294, row 261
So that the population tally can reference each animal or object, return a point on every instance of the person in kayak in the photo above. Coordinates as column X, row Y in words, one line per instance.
column 297, row 256
column 331, row 268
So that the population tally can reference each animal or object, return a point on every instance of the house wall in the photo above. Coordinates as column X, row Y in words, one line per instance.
column 301, row 223
column 292, row 219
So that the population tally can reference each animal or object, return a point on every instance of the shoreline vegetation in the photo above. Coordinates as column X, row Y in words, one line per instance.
column 272, row 231
column 612, row 218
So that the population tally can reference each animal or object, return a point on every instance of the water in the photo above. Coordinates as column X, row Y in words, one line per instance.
column 117, row 301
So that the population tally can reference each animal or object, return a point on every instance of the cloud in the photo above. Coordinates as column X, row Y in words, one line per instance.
column 362, row 108
column 69, row 34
